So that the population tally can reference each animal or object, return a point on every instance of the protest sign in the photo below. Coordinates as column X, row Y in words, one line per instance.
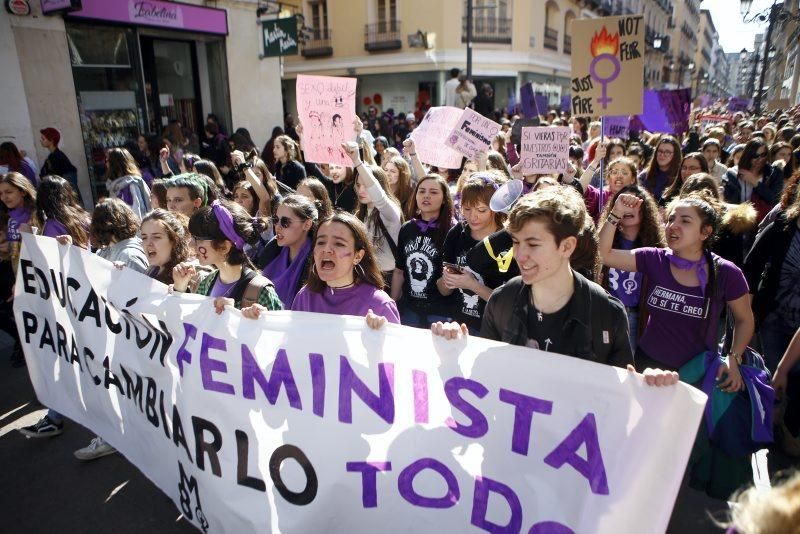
column 527, row 101
column 544, row 149
column 566, row 103
column 666, row 111
column 326, row 107
column 607, row 66
column 516, row 129
column 707, row 121
column 736, row 103
column 428, row 137
column 778, row 103
column 472, row 133
column 616, row 126
column 541, row 102
column 258, row 426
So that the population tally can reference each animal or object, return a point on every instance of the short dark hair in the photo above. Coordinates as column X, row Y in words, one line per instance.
column 204, row 223
column 112, row 220
column 454, row 72
column 193, row 182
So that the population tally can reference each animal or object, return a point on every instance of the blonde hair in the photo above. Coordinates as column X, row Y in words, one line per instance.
column 776, row 511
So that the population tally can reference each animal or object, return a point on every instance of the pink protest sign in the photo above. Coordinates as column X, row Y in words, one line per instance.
column 430, row 134
column 472, row 133
column 545, row 149
column 326, row 107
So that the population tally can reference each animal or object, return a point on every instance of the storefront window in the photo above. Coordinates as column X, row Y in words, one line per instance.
column 106, row 74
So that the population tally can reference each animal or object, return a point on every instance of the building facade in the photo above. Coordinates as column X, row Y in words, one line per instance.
column 105, row 72
column 684, row 42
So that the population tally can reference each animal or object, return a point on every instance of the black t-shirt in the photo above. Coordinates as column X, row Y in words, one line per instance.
column 343, row 195
column 467, row 306
column 57, row 163
column 290, row 173
column 420, row 259
column 545, row 330
column 480, row 261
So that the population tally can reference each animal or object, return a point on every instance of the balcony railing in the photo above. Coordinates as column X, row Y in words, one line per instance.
column 318, row 44
column 383, row 35
column 567, row 44
column 551, row 38
column 487, row 30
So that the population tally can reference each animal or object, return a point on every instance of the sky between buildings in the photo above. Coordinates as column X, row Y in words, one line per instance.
column 733, row 33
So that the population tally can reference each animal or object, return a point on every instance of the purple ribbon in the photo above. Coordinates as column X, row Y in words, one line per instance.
column 226, row 224
column 424, row 226
column 698, row 266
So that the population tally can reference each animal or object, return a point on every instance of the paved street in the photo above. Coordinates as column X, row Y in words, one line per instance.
column 46, row 490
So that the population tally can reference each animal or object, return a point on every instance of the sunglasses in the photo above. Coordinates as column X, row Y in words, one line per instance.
column 284, row 222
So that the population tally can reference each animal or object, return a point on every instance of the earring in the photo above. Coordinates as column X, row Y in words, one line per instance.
column 360, row 269
column 314, row 268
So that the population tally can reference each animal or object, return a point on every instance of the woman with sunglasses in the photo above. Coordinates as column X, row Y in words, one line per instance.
column 345, row 278
column 221, row 232
column 286, row 258
column 753, row 180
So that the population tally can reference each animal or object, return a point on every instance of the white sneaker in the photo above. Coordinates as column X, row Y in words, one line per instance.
column 96, row 449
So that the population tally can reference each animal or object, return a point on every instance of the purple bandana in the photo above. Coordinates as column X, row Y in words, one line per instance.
column 424, row 226
column 698, row 266
column 226, row 224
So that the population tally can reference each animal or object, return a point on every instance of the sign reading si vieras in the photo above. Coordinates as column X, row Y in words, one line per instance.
column 280, row 37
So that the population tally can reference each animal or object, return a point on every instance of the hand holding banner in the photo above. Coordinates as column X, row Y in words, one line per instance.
column 472, row 133
column 326, row 107
column 544, row 149
column 607, row 66
column 428, row 137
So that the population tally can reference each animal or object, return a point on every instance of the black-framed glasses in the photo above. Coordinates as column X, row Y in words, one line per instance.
column 284, row 222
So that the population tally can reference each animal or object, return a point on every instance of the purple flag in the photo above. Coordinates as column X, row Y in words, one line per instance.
column 566, row 103
column 541, row 103
column 665, row 111
column 527, row 101
column 738, row 104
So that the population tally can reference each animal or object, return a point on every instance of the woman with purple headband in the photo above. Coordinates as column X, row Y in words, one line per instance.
column 221, row 232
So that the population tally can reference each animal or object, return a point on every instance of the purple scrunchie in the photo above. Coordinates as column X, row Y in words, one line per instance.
column 226, row 224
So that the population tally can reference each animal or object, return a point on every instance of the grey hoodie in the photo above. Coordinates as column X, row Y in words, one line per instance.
column 128, row 251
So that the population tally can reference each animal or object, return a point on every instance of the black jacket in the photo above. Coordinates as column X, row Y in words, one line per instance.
column 762, row 266
column 597, row 328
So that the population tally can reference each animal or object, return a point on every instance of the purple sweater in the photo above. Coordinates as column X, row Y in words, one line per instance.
column 356, row 300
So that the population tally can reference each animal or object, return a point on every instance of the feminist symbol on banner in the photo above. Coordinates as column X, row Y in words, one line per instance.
column 604, row 48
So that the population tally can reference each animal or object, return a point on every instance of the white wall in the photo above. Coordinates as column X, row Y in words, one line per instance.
column 255, row 84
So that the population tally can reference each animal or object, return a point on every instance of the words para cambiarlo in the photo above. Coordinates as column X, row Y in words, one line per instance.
column 259, row 426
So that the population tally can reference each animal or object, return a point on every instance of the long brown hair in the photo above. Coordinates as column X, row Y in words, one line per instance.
column 175, row 227
column 447, row 210
column 674, row 189
column 368, row 271
column 404, row 190
column 55, row 199
column 120, row 163
column 28, row 192
column 674, row 165
column 321, row 198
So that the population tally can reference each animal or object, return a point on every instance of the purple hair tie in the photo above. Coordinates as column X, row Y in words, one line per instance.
column 226, row 224
column 486, row 178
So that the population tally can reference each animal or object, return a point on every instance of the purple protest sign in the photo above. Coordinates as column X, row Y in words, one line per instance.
column 527, row 101
column 473, row 133
column 666, row 111
column 436, row 125
column 157, row 13
column 738, row 104
column 326, row 107
column 512, row 104
column 616, row 126
column 566, row 103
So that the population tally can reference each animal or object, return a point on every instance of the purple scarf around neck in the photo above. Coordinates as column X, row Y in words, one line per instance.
column 424, row 226
column 698, row 266
column 286, row 275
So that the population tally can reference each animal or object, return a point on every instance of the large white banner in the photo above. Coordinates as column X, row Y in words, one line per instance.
column 302, row 422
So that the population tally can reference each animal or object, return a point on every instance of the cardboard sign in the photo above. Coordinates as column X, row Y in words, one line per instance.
column 778, row 103
column 472, row 133
column 428, row 137
column 326, row 107
column 616, row 127
column 544, row 150
column 607, row 66
column 305, row 422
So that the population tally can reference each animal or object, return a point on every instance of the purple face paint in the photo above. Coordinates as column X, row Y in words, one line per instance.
column 525, row 407
column 281, row 375
column 382, row 404
column 369, row 470
column 189, row 332
column 420, row 396
column 480, row 503
column 479, row 425
column 208, row 365
column 405, row 484
column 592, row 468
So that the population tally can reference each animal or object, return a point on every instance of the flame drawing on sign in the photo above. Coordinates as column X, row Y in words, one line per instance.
column 604, row 47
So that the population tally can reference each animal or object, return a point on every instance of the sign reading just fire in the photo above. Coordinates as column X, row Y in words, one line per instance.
column 607, row 66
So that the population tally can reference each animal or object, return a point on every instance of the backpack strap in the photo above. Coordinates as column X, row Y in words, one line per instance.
column 255, row 283
column 387, row 237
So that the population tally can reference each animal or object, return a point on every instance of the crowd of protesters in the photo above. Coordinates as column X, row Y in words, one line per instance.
column 649, row 253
